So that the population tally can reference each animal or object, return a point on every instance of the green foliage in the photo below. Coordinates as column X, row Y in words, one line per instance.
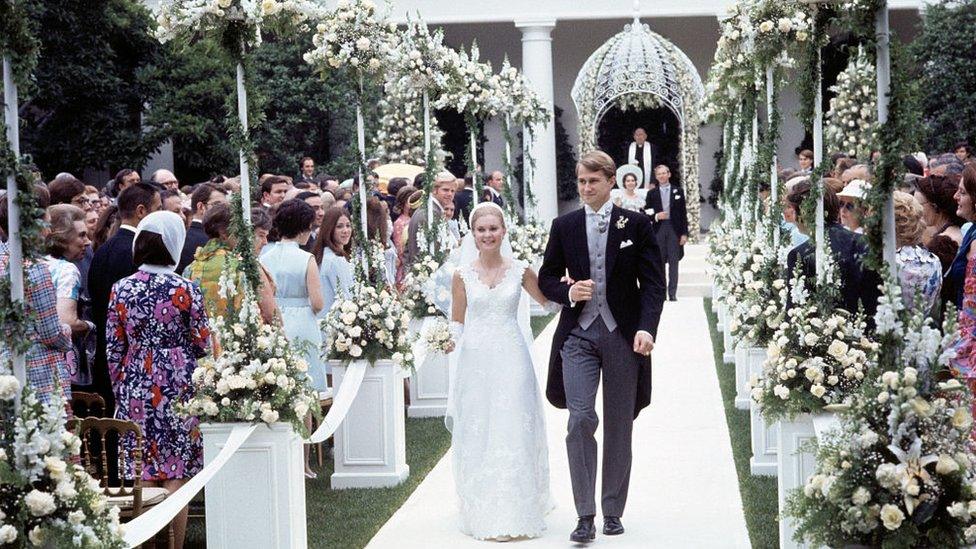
column 946, row 49
column 18, row 38
column 93, row 79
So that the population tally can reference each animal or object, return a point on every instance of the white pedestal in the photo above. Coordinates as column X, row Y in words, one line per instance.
column 429, row 387
column 370, row 445
column 716, row 297
column 764, row 436
column 728, row 342
column 258, row 498
column 741, row 358
column 722, row 314
column 795, row 467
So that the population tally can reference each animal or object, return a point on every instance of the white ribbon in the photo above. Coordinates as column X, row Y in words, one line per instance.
column 344, row 397
column 474, row 167
column 146, row 525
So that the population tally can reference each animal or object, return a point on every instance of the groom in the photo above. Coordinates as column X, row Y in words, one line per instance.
column 608, row 323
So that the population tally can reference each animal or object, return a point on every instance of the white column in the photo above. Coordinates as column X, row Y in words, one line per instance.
column 14, row 245
column 537, row 68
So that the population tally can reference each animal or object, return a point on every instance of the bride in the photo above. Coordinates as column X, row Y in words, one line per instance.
column 501, row 460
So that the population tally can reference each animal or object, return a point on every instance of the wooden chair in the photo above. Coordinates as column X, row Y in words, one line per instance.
column 129, row 495
column 87, row 404
column 325, row 402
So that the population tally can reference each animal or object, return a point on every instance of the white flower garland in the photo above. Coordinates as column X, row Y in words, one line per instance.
column 852, row 121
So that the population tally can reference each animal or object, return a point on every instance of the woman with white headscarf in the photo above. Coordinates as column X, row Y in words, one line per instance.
column 157, row 328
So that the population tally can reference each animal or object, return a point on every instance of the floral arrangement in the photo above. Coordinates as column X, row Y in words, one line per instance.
column 422, row 60
column 817, row 359
column 256, row 375
column 237, row 22
column 416, row 295
column 353, row 38
column 521, row 101
column 852, row 121
column 370, row 323
column 779, row 26
column 400, row 136
column 762, row 299
column 471, row 87
column 900, row 470
column 529, row 241
column 48, row 500
column 437, row 337
column 731, row 72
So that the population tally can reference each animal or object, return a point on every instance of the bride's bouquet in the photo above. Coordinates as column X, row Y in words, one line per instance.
column 256, row 375
column 437, row 337
column 46, row 499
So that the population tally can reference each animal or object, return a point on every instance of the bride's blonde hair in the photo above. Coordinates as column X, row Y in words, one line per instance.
column 485, row 209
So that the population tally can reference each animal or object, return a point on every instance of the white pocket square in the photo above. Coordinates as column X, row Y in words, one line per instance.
column 649, row 211
column 625, row 244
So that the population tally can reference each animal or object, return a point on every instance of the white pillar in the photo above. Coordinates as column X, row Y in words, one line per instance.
column 537, row 68
column 14, row 245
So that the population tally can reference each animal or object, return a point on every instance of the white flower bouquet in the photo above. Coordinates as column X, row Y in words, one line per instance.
column 520, row 100
column 529, row 241
column 761, row 302
column 46, row 500
column 779, row 25
column 852, row 121
column 255, row 375
column 237, row 23
column 817, row 359
column 437, row 337
column 370, row 323
column 419, row 295
column 471, row 87
column 900, row 471
column 352, row 38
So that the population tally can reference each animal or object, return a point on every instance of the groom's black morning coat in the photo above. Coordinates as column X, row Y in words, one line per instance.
column 633, row 307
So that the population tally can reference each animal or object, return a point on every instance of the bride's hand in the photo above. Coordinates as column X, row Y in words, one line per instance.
column 450, row 347
column 568, row 280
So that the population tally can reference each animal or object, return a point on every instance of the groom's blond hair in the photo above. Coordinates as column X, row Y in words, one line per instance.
column 597, row 161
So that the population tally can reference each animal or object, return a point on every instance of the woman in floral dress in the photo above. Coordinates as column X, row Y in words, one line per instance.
column 156, row 330
column 964, row 364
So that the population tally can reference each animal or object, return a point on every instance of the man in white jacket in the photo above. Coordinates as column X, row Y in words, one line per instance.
column 640, row 155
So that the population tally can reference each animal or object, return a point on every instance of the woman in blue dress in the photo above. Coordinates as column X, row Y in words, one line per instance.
column 332, row 251
column 298, row 289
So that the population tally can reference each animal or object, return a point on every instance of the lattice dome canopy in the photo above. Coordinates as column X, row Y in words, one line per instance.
column 636, row 61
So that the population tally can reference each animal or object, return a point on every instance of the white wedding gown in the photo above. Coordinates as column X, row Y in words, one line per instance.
column 501, row 459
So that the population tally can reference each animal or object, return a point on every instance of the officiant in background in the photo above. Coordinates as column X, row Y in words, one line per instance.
column 639, row 154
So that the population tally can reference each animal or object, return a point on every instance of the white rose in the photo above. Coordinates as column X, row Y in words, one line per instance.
column 7, row 534
column 837, row 348
column 76, row 517
column 37, row 536
column 9, row 387
column 892, row 516
column 766, row 26
column 818, row 391
column 810, row 339
column 785, row 25
column 301, row 408
column 883, row 397
column 55, row 466
column 40, row 503
column 781, row 391
column 946, row 465
column 269, row 416
column 355, row 351
column 861, row 496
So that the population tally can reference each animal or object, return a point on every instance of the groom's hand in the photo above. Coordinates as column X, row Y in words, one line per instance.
column 581, row 291
column 643, row 343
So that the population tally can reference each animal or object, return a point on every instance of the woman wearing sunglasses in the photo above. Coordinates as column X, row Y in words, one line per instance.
column 852, row 211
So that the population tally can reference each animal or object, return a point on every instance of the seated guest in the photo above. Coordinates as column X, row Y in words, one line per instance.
column 919, row 270
column 157, row 329
column 852, row 209
column 859, row 286
column 209, row 263
column 943, row 233
column 47, row 371
column 66, row 242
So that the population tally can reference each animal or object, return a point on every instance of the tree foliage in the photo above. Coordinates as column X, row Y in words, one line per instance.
column 945, row 50
column 95, row 74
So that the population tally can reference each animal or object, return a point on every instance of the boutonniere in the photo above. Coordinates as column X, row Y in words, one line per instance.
column 677, row 197
column 622, row 222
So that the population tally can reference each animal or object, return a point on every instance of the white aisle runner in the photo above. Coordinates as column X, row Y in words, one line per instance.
column 683, row 488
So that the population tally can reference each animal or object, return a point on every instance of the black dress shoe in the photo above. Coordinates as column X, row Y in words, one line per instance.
column 672, row 298
column 585, row 531
column 612, row 526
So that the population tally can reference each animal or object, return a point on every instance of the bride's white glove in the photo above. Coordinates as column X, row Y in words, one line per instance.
column 457, row 330
column 552, row 307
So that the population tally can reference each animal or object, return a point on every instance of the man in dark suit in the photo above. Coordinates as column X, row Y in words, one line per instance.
column 306, row 173
column 112, row 262
column 608, row 323
column 665, row 205
column 203, row 197
column 444, row 189
column 463, row 200
column 494, row 186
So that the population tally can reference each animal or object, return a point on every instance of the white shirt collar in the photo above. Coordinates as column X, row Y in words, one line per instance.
column 603, row 211
column 128, row 227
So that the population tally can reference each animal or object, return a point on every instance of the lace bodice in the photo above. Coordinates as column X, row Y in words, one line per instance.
column 494, row 310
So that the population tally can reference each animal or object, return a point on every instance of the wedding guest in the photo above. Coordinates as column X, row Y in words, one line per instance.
column 106, row 226
column 852, row 209
column 65, row 189
column 666, row 207
column 946, row 164
column 804, row 161
column 859, row 286
column 378, row 228
column 443, row 193
column 273, row 189
column 393, row 189
column 91, row 222
column 156, row 330
column 463, row 198
column 47, row 371
column 842, row 165
column 404, row 209
column 171, row 202
column 298, row 288
column 453, row 227
column 627, row 195
column 315, row 201
column 66, row 242
column 203, row 198
column 124, row 179
column 94, row 200
column 209, row 264
column 919, row 270
column 328, row 199
column 332, row 251
column 111, row 263
column 962, row 273
column 963, row 151
column 943, row 234
column 494, row 186
column 166, row 180
column 859, row 171
column 306, row 172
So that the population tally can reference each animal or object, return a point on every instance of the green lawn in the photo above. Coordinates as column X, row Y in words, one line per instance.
column 758, row 493
column 350, row 518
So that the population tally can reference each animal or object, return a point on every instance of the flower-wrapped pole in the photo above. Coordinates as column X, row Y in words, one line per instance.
column 884, row 91
column 243, row 153
column 14, row 244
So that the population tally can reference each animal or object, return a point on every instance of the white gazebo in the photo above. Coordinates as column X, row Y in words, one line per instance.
column 640, row 69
